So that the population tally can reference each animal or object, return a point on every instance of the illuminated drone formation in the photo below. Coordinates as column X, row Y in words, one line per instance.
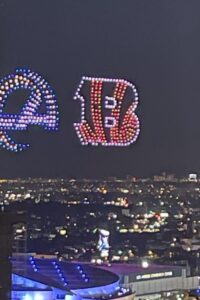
column 107, row 124
column 40, row 92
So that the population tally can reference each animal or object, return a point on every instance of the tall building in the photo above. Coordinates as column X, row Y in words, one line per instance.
column 7, row 220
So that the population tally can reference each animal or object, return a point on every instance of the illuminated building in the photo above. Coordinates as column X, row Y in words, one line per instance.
column 103, row 243
column 50, row 279
column 154, row 279
column 193, row 177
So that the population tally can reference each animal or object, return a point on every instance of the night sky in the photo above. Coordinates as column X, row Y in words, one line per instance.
column 153, row 43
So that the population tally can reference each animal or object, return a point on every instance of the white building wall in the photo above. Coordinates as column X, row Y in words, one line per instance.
column 162, row 285
column 128, row 297
column 32, row 295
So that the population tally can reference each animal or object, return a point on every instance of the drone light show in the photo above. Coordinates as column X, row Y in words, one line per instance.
column 110, row 121
column 40, row 92
column 107, row 110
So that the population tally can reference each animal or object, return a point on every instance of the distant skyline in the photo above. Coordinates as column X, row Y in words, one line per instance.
column 125, row 177
column 154, row 44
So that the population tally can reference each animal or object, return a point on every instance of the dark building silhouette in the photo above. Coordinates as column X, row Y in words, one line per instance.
column 7, row 220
